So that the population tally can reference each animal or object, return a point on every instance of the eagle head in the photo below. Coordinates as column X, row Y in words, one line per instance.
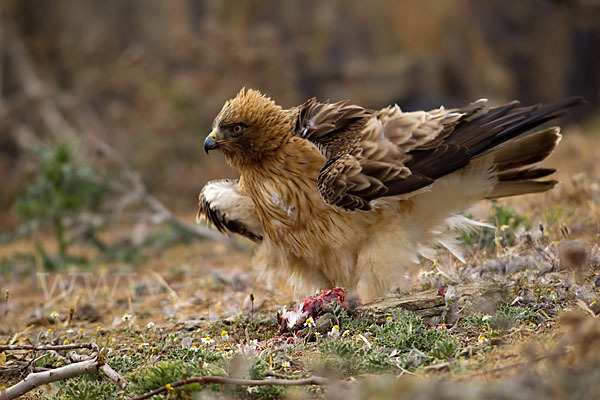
column 249, row 128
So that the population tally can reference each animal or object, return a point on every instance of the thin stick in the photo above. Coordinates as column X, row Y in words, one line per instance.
column 223, row 380
column 69, row 346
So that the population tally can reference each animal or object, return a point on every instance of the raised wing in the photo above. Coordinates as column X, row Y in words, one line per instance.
column 224, row 204
column 389, row 152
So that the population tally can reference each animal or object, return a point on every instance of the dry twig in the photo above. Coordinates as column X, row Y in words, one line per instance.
column 70, row 346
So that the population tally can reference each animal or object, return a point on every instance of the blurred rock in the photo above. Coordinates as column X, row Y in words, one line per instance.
column 87, row 312
column 573, row 254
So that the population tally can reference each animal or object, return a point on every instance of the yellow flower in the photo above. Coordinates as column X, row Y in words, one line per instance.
column 98, row 327
column 309, row 322
column 49, row 330
column 81, row 331
column 482, row 339
column 224, row 335
column 169, row 387
column 388, row 318
column 66, row 341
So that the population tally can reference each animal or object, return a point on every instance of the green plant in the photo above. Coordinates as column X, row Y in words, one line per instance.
column 402, row 340
column 88, row 387
column 62, row 189
column 505, row 219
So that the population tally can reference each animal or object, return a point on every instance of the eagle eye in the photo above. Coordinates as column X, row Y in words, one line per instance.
column 237, row 128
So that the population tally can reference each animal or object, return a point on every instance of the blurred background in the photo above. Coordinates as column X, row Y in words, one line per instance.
column 144, row 79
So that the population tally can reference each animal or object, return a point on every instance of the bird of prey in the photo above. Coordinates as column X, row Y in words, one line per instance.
column 343, row 196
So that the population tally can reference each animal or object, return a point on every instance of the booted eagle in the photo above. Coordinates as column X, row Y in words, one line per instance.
column 340, row 195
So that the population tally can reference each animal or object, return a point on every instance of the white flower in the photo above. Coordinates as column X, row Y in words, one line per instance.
column 285, row 364
column 207, row 340
column 346, row 333
column 143, row 345
column 204, row 364
column 486, row 317
column 317, row 334
column 150, row 325
column 70, row 330
column 194, row 348
column 309, row 322
column 54, row 315
column 246, row 350
column 424, row 274
column 81, row 331
column 334, row 332
column 253, row 343
column 482, row 339
column 126, row 317
column 224, row 335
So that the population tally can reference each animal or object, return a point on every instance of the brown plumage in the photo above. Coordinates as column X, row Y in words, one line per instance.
column 340, row 195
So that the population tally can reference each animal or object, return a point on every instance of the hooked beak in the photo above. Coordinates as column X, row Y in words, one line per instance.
column 211, row 141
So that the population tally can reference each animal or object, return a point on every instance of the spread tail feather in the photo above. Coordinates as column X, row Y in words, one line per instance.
column 514, row 160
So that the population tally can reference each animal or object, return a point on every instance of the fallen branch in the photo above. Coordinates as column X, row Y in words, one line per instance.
column 114, row 376
column 36, row 379
column 69, row 346
column 223, row 380
column 83, row 364
column 429, row 304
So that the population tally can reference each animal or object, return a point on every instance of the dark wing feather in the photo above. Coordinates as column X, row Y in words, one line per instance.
column 387, row 153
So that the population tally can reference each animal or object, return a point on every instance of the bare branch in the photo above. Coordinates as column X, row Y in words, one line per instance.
column 37, row 379
column 70, row 346
column 114, row 376
column 223, row 380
